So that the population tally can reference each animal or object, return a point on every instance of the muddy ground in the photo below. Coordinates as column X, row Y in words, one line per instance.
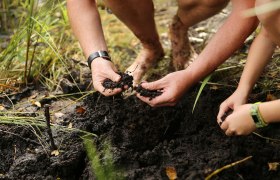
column 145, row 141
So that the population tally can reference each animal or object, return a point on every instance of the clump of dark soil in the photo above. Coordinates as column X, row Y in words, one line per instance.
column 125, row 81
column 145, row 141
column 148, row 93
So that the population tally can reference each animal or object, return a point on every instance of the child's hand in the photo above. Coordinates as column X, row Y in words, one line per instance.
column 236, row 99
column 239, row 122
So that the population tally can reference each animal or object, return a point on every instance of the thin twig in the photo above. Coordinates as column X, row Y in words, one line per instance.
column 266, row 138
column 227, row 167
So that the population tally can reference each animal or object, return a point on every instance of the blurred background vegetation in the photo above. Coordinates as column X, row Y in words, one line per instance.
column 37, row 45
column 35, row 42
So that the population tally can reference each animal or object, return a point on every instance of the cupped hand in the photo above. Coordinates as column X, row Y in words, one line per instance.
column 238, row 98
column 172, row 86
column 102, row 69
column 239, row 122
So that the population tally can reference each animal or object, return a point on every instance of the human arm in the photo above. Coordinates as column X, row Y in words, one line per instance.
column 259, row 55
column 227, row 40
column 240, row 122
column 86, row 25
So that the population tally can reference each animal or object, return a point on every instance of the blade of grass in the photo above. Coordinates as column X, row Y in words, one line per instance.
column 200, row 90
column 94, row 158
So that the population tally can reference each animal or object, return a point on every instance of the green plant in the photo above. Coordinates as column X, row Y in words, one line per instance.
column 40, row 45
column 101, row 161
column 204, row 82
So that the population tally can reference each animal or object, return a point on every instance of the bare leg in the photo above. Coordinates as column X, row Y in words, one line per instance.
column 189, row 13
column 139, row 17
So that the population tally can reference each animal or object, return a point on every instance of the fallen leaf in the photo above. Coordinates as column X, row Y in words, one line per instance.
column 57, row 118
column 58, row 115
column 171, row 173
column 200, row 29
column 196, row 40
column 202, row 35
column 36, row 103
column 2, row 108
column 70, row 125
column 270, row 97
column 273, row 166
column 55, row 153
column 34, row 96
column 214, row 87
column 80, row 110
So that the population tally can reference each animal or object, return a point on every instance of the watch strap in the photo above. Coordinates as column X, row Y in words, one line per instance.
column 102, row 54
column 257, row 117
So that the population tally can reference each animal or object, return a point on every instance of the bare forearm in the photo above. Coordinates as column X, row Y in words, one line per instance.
column 86, row 24
column 259, row 55
column 224, row 43
column 270, row 111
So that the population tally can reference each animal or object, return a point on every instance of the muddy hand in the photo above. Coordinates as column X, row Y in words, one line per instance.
column 172, row 86
column 147, row 93
column 238, row 98
column 239, row 122
column 101, row 70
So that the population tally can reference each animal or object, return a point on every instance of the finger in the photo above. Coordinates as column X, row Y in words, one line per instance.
column 111, row 92
column 147, row 100
column 106, row 92
column 98, row 87
column 230, row 133
column 219, row 122
column 156, row 102
column 224, row 126
column 152, row 85
column 223, row 109
column 114, row 76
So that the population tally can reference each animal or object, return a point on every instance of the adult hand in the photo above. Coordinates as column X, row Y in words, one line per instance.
column 173, row 86
column 239, row 122
column 102, row 69
column 236, row 99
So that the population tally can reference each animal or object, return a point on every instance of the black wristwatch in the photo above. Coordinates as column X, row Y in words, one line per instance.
column 103, row 54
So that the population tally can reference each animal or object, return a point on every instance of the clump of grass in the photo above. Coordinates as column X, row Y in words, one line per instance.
column 40, row 43
column 101, row 161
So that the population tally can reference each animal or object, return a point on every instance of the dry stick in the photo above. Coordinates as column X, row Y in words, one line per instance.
column 227, row 167
column 33, row 55
column 49, row 130
column 7, row 86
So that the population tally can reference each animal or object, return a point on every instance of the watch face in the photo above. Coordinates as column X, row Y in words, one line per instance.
column 255, row 118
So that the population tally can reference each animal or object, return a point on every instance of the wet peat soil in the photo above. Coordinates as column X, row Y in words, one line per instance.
column 145, row 141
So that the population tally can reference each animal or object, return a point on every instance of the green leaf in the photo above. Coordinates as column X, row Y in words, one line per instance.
column 205, row 81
